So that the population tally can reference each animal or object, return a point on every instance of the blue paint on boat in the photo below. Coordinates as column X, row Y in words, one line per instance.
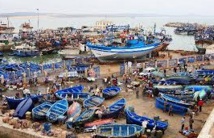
column 115, row 109
column 110, row 92
column 86, row 116
column 177, row 109
column 93, row 101
column 13, row 102
column 23, row 107
column 119, row 131
column 57, row 110
column 175, row 100
column 75, row 89
column 133, row 118
column 39, row 112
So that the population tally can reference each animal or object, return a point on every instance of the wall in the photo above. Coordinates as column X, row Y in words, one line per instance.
column 208, row 128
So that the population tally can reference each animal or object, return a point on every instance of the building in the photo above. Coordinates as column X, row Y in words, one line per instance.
column 102, row 24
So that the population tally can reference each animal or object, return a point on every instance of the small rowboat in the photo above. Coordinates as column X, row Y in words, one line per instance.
column 85, row 117
column 57, row 110
column 39, row 112
column 75, row 89
column 73, row 112
column 75, row 96
column 178, row 109
column 93, row 101
column 175, row 100
column 198, row 87
column 110, row 92
column 118, row 131
column 133, row 118
column 115, row 109
column 23, row 107
column 13, row 102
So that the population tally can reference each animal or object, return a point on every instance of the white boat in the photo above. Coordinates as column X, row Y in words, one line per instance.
column 69, row 53
column 25, row 50
column 134, row 49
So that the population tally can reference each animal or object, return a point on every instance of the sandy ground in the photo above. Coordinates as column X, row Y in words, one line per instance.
column 143, row 106
column 146, row 106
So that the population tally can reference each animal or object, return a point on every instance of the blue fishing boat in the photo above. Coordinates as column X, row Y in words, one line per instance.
column 13, row 102
column 72, row 96
column 119, row 131
column 115, row 109
column 133, row 49
column 110, row 92
column 133, row 118
column 25, row 51
column 175, row 100
column 198, row 87
column 58, row 109
column 73, row 112
column 93, row 101
column 85, row 117
column 75, row 89
column 165, row 86
column 180, row 80
column 39, row 112
column 23, row 107
column 178, row 109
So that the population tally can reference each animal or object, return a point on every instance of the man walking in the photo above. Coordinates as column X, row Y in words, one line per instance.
column 170, row 110
column 182, row 123
column 200, row 104
column 191, row 121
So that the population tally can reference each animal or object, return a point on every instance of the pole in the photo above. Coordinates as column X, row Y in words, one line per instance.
column 38, row 19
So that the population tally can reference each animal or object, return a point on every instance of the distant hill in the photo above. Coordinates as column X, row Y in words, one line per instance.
column 14, row 14
column 88, row 15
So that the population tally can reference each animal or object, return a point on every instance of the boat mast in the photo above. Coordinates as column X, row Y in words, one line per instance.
column 38, row 18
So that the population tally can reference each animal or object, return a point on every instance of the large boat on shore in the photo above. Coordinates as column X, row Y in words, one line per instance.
column 133, row 50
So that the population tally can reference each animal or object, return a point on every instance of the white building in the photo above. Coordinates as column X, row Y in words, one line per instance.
column 102, row 24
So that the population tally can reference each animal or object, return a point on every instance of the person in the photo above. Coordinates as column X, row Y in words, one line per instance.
column 26, row 92
column 144, row 124
column 170, row 110
column 17, row 95
column 156, row 92
column 191, row 121
column 165, row 106
column 175, row 70
column 164, row 72
column 182, row 123
column 137, row 92
column 196, row 109
column 200, row 104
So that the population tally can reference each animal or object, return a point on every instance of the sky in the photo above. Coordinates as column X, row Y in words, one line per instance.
column 164, row 7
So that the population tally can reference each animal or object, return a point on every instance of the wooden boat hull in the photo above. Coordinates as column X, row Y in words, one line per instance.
column 93, row 101
column 57, row 110
column 73, row 112
column 23, row 107
column 39, row 112
column 86, row 116
column 110, row 92
column 175, row 100
column 178, row 109
column 118, row 131
column 13, row 103
column 133, row 118
column 99, row 122
column 115, row 109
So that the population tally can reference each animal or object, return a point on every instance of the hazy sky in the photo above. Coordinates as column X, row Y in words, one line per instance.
column 171, row 7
